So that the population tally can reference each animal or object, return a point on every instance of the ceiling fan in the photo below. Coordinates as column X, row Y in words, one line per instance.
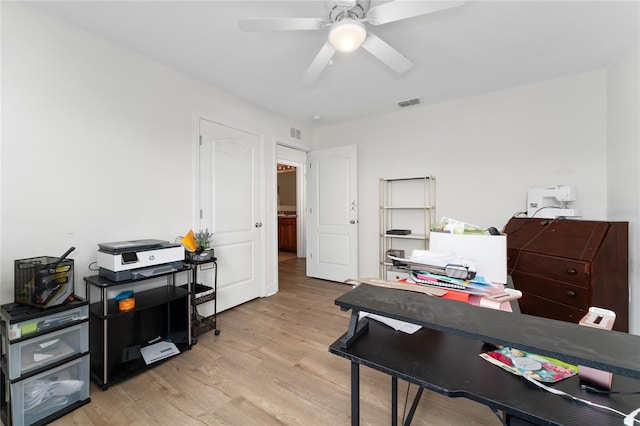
column 346, row 21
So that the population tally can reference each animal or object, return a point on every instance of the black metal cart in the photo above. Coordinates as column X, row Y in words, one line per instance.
column 202, row 293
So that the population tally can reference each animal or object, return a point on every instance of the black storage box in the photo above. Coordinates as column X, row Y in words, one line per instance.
column 43, row 281
column 204, row 255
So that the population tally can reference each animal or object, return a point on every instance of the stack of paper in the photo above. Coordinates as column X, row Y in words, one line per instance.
column 54, row 392
column 158, row 351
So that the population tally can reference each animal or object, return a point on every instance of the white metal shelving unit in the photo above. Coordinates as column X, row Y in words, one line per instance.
column 409, row 204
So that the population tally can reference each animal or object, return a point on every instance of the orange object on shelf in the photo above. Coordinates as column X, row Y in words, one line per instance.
column 127, row 304
column 456, row 295
column 189, row 241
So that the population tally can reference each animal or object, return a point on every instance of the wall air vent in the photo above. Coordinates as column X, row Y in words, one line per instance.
column 409, row 102
column 294, row 133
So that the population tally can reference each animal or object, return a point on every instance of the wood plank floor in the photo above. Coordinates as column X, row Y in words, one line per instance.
column 269, row 366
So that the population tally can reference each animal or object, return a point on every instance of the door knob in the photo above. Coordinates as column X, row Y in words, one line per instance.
column 258, row 224
column 352, row 221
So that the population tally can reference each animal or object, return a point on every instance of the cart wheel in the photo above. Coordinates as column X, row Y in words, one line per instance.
column 217, row 332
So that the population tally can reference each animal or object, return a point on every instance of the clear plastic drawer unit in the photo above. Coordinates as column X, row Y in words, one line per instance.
column 44, row 367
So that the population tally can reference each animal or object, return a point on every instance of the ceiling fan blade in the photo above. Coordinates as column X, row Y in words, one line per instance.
column 319, row 64
column 281, row 24
column 386, row 54
column 403, row 9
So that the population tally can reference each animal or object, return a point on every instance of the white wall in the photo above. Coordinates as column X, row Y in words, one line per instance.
column 98, row 144
column 623, row 149
column 485, row 151
column 287, row 190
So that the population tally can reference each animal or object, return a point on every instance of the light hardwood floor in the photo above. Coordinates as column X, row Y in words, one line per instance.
column 268, row 366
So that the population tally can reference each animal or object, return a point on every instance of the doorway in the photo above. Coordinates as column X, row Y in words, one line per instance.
column 291, row 201
column 287, row 211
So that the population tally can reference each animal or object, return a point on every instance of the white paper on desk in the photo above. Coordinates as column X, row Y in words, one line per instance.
column 397, row 325
column 426, row 257
column 158, row 351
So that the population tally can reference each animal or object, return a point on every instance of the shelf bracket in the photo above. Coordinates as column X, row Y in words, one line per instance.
column 356, row 329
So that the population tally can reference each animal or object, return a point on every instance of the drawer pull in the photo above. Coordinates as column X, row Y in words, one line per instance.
column 571, row 272
column 571, row 293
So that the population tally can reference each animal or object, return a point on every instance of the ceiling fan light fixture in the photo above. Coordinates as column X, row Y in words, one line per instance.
column 347, row 35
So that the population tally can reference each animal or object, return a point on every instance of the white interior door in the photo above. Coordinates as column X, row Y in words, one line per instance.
column 231, row 206
column 332, row 241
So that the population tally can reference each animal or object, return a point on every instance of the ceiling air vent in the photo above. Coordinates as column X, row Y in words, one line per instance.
column 409, row 102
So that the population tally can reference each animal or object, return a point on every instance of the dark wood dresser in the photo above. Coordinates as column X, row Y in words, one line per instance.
column 565, row 266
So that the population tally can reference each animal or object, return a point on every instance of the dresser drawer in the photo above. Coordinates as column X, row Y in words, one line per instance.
column 572, row 239
column 558, row 291
column 531, row 304
column 572, row 271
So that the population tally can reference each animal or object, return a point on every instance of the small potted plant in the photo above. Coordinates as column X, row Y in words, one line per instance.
column 203, row 240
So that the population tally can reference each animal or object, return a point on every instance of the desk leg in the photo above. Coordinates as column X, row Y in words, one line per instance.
column 355, row 394
column 394, row 401
column 412, row 411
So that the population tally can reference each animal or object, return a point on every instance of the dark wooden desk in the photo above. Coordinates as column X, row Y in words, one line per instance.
column 443, row 356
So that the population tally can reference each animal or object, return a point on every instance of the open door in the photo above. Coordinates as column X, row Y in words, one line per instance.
column 231, row 206
column 332, row 240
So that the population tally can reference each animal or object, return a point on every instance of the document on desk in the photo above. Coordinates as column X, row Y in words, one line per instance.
column 158, row 351
column 397, row 325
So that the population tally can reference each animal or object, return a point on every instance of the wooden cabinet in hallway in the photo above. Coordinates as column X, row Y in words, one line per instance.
column 287, row 234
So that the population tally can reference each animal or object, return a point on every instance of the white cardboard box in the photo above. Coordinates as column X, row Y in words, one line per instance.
column 488, row 251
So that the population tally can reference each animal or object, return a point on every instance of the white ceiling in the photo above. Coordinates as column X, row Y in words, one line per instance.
column 479, row 47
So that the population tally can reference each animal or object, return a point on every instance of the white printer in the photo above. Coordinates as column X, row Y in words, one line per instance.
column 126, row 260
